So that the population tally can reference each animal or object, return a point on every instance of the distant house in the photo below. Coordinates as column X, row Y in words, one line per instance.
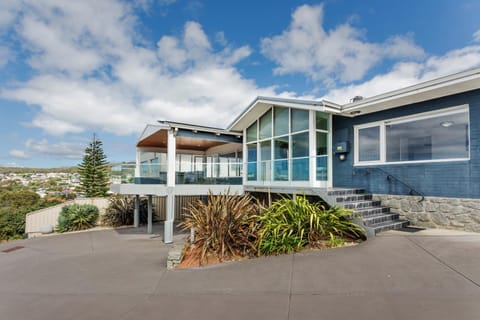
column 410, row 154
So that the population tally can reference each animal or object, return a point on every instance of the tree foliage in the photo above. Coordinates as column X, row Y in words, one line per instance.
column 93, row 170
column 15, row 202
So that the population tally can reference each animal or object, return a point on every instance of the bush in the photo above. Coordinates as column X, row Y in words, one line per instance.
column 121, row 209
column 75, row 217
column 12, row 225
column 290, row 224
column 225, row 225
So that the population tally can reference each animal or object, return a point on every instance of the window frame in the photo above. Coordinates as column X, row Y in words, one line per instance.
column 405, row 119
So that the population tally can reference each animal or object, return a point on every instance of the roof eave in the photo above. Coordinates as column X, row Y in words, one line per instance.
column 436, row 88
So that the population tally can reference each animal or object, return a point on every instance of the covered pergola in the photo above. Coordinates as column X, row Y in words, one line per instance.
column 169, row 139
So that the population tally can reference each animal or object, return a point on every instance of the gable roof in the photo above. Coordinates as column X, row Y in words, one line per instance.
column 261, row 104
column 440, row 87
column 428, row 90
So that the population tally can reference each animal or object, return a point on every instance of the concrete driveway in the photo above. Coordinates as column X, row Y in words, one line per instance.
column 121, row 275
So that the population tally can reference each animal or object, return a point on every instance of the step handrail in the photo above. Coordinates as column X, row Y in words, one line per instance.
column 391, row 177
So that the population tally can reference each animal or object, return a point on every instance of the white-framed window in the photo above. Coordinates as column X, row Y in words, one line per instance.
column 278, row 145
column 441, row 135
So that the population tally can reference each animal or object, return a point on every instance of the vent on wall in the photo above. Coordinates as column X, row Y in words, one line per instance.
column 356, row 98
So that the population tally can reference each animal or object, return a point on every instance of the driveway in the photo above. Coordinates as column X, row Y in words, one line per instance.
column 121, row 275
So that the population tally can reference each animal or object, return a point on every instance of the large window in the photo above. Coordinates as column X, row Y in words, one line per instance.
column 299, row 120
column 435, row 136
column 322, row 121
column 280, row 167
column 266, row 125
column 252, row 162
column 300, row 163
column 265, row 158
column 369, row 144
column 278, row 145
column 280, row 121
column 252, row 133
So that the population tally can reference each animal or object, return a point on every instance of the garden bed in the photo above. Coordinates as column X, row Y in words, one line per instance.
column 233, row 227
column 190, row 258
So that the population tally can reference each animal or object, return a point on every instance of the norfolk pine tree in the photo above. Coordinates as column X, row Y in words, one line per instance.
column 93, row 171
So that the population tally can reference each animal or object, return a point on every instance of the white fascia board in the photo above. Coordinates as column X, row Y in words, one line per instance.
column 193, row 127
column 331, row 107
column 440, row 87
column 261, row 104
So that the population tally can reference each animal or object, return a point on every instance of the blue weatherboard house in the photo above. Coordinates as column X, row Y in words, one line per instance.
column 410, row 156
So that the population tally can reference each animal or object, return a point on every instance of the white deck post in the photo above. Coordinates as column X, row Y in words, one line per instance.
column 150, row 216
column 137, row 164
column 171, row 151
column 312, row 148
column 136, row 213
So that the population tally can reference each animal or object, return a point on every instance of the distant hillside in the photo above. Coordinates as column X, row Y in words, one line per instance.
column 37, row 170
column 48, row 170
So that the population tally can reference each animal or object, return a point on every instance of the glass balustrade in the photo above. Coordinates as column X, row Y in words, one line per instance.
column 124, row 173
column 225, row 171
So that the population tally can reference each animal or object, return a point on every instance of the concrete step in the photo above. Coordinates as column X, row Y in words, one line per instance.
column 366, row 212
column 353, row 198
column 385, row 226
column 361, row 204
column 380, row 218
column 342, row 191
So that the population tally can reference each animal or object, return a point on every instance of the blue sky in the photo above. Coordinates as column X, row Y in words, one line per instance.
column 71, row 68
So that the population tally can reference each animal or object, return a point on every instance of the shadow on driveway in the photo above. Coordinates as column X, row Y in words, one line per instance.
column 120, row 274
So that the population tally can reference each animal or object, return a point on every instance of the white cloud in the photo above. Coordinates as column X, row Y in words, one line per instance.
column 58, row 150
column 5, row 56
column 476, row 36
column 43, row 148
column 18, row 154
column 404, row 74
column 338, row 54
column 8, row 11
column 94, row 72
column 220, row 38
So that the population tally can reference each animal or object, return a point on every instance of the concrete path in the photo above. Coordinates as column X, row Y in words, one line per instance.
column 121, row 275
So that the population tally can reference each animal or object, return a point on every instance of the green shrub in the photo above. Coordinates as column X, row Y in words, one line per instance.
column 120, row 211
column 225, row 225
column 12, row 225
column 75, row 217
column 290, row 224
column 334, row 222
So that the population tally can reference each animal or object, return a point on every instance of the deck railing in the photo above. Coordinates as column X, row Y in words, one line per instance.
column 229, row 172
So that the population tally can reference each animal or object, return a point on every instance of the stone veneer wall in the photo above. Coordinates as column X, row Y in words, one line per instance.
column 435, row 212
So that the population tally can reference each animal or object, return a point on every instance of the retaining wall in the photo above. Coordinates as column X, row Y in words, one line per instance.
column 435, row 212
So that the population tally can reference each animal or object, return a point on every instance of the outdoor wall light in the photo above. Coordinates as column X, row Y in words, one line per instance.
column 341, row 149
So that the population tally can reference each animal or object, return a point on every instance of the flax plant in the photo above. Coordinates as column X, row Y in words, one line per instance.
column 290, row 224
column 225, row 225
